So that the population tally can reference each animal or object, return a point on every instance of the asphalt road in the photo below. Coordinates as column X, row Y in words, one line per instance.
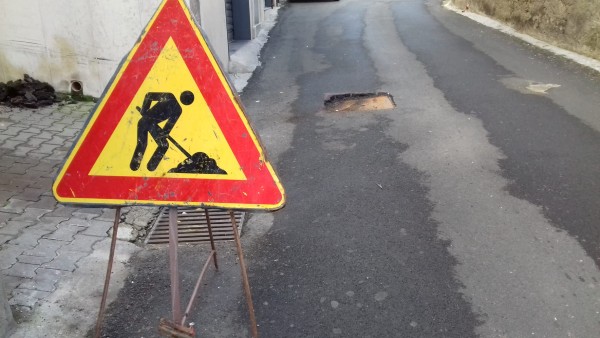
column 470, row 209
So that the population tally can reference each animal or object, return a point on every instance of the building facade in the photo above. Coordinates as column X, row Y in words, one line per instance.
column 66, row 42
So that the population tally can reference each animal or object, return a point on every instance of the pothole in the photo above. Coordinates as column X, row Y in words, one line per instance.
column 359, row 102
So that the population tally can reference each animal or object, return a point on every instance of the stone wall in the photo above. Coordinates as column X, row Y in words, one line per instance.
column 570, row 24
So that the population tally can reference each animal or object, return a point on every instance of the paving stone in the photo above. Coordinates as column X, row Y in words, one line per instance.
column 26, row 160
column 34, row 130
column 29, row 237
column 16, row 206
column 44, row 124
column 23, row 136
column 12, row 130
column 36, row 141
column 47, row 203
column 108, row 214
column 76, row 221
column 23, row 150
column 66, row 260
column 46, row 135
column 47, row 148
column 30, row 215
column 10, row 253
column 5, row 196
column 21, row 270
column 70, row 132
column 5, row 238
column 46, row 247
column 19, row 168
column 36, row 154
column 11, row 144
column 13, row 182
column 14, row 227
column 81, row 243
column 8, row 160
column 35, row 260
column 27, row 297
column 48, row 223
column 44, row 280
column 61, row 211
column 44, row 167
column 57, row 140
column 4, row 137
column 12, row 282
column 98, row 228
column 58, row 127
column 88, row 213
column 5, row 216
column 30, row 194
column 65, row 232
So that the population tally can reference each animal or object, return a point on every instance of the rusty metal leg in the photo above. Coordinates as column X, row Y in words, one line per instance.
column 236, row 236
column 108, row 273
column 212, row 240
column 174, row 265
column 194, row 296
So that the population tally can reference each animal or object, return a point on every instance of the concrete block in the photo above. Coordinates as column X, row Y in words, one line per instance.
column 13, row 228
column 81, row 243
column 64, row 232
column 66, row 261
column 21, row 270
column 45, row 202
column 46, row 247
column 30, row 215
column 16, row 206
column 10, row 253
column 98, row 228
column 35, row 260
column 44, row 280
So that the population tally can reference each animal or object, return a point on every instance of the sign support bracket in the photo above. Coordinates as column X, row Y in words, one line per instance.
column 111, row 256
column 177, row 327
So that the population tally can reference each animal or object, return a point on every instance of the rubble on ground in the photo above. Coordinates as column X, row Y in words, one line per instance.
column 27, row 92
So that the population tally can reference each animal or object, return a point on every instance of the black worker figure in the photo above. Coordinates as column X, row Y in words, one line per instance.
column 166, row 108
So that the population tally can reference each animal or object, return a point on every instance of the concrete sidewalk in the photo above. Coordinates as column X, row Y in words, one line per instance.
column 44, row 245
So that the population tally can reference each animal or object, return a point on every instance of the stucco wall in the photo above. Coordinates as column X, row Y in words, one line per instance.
column 571, row 24
column 63, row 40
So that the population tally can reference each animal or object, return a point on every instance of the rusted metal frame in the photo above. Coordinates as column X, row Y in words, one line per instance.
column 197, row 288
column 111, row 256
column 212, row 240
column 253, row 326
column 174, row 266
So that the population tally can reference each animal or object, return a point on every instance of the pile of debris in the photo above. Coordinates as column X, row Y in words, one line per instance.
column 27, row 92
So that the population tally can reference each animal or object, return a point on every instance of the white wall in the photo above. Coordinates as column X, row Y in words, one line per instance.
column 63, row 40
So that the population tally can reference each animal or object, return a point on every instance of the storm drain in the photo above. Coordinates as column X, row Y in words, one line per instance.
column 192, row 226
column 359, row 102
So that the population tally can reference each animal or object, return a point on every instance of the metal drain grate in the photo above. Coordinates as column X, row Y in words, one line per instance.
column 192, row 226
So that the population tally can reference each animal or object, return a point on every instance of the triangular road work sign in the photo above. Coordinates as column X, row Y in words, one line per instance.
column 169, row 130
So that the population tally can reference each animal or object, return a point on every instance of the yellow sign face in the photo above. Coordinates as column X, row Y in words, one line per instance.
column 169, row 74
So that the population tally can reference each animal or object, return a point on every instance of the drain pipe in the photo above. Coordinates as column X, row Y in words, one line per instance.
column 76, row 88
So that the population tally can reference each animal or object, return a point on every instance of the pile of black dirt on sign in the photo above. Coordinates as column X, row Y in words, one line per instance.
column 199, row 163
column 27, row 92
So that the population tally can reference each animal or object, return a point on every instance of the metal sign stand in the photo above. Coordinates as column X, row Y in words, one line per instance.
column 177, row 327
column 111, row 256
